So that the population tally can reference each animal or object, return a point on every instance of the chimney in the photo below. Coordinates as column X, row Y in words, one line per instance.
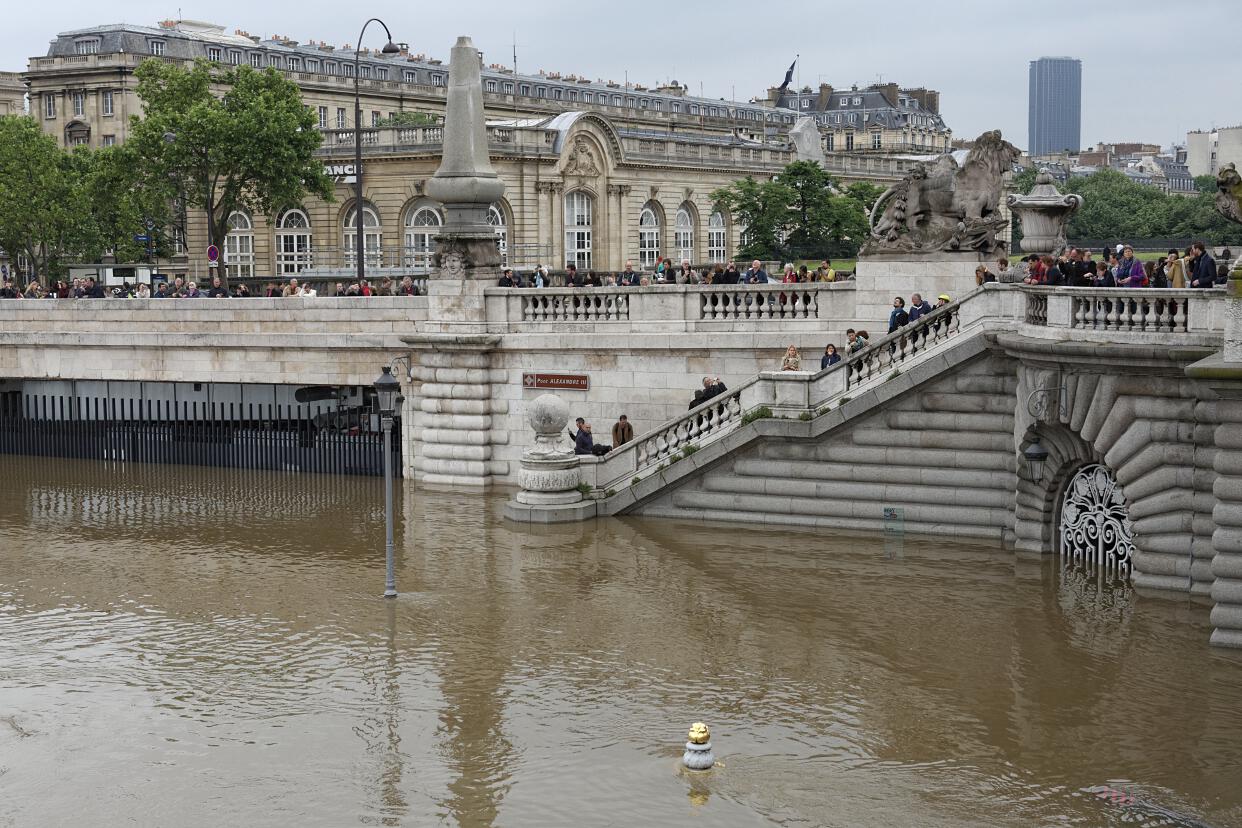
column 825, row 96
column 929, row 99
column 889, row 91
column 774, row 95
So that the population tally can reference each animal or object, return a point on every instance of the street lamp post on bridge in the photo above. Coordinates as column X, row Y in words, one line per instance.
column 390, row 48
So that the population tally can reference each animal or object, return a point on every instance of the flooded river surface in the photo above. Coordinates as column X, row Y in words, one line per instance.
column 194, row 647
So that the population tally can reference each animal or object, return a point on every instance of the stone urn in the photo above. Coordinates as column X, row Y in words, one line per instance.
column 1044, row 213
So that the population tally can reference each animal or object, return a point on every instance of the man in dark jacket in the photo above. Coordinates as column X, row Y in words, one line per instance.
column 217, row 290
column 628, row 277
column 918, row 307
column 756, row 275
column 583, row 442
column 1204, row 274
column 898, row 318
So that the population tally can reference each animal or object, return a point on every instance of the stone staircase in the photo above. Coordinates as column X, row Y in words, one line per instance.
column 942, row 453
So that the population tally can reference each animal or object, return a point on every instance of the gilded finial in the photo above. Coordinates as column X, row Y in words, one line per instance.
column 699, row 734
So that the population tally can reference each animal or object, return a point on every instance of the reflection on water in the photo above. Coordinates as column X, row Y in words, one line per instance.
column 197, row 647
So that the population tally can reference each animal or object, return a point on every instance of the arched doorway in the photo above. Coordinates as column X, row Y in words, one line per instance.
column 1095, row 528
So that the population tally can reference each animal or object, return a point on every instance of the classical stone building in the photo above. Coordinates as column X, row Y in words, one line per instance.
column 595, row 172
column 882, row 118
column 12, row 94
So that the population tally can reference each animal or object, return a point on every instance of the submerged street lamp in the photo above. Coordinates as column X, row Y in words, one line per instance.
column 390, row 48
column 387, row 390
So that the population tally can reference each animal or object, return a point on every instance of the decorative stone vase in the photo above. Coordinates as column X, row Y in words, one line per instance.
column 698, row 755
column 1044, row 213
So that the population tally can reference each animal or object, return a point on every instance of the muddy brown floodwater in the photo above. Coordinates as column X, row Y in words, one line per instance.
column 195, row 647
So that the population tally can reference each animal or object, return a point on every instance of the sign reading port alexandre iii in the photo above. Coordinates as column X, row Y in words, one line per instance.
column 564, row 382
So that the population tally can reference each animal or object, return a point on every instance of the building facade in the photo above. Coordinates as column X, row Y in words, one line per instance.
column 1207, row 151
column 1054, row 122
column 595, row 172
column 12, row 94
column 880, row 118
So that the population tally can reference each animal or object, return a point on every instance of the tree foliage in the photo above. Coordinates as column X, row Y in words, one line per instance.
column 1114, row 207
column 800, row 213
column 250, row 148
column 44, row 211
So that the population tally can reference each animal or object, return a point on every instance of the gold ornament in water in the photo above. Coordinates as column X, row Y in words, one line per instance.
column 699, row 734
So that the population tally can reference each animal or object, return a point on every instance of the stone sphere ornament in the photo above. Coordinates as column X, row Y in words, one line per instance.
column 548, row 414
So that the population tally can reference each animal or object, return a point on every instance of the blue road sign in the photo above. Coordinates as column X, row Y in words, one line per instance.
column 142, row 238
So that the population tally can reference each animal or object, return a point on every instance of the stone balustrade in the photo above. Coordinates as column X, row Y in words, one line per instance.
column 696, row 307
column 1155, row 311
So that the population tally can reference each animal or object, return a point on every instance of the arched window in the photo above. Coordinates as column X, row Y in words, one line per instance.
column 372, row 236
column 648, row 237
column 422, row 225
column 293, row 242
column 496, row 218
column 239, row 247
column 683, row 235
column 717, row 246
column 578, row 209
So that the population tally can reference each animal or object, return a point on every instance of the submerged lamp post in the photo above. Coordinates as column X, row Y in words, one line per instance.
column 387, row 389
column 390, row 48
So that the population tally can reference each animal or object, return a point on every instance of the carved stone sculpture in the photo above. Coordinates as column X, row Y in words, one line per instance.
column 548, row 475
column 1229, row 193
column 1044, row 213
column 581, row 160
column 945, row 207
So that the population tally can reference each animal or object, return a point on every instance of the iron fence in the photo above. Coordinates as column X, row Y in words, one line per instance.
column 269, row 437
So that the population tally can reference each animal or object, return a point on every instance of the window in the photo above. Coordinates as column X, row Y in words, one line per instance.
column 573, row 94
column 541, row 92
column 365, row 70
column 858, row 102
column 340, row 117
column 694, row 108
column 524, row 89
column 508, row 87
column 49, row 105
column 438, row 80
column 214, row 53
column 832, row 142
column 683, row 235
column 294, row 64
column 659, row 106
column 372, row 237
column 109, row 140
column 86, row 47
column 239, row 247
column 375, row 118
column 156, row 47
column 421, row 226
column 845, row 102
column 648, row 237
column 256, row 60
column 235, row 57
column 849, row 141
column 616, row 100
column 274, row 61
column 631, row 103
column 876, row 140
column 806, row 103
column 676, row 107
column 410, row 76
column 578, row 229
column 323, row 117
column 312, row 65
column 496, row 218
column 558, row 94
column 587, row 97
column 79, row 103
column 293, row 242
column 332, row 67
column 381, row 72
column 349, row 70
column 717, row 248
column 489, row 86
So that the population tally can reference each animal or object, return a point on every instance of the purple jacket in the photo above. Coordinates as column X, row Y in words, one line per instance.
column 1134, row 278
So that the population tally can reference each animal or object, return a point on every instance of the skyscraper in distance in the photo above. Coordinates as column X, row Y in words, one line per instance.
column 1054, row 123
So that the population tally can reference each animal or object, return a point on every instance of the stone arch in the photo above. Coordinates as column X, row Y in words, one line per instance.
column 599, row 128
column 1035, row 512
column 686, row 232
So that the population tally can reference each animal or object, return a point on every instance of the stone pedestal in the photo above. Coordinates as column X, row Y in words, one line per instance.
column 452, row 434
column 549, row 475
column 878, row 278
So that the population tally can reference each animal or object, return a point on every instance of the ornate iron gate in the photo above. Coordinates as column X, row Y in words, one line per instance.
column 1095, row 522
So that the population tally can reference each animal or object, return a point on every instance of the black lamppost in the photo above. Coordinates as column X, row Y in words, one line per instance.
column 387, row 390
column 390, row 48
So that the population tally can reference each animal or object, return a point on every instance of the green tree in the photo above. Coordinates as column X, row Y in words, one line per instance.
column 122, row 204
column 409, row 119
column 762, row 209
column 250, row 148
column 44, row 212
column 1205, row 183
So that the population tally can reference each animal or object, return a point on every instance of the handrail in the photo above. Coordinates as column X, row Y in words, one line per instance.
column 904, row 343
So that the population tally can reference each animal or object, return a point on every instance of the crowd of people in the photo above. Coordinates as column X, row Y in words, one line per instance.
column 1194, row 267
column 665, row 272
column 181, row 288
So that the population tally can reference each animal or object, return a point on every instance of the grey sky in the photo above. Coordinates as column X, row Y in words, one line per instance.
column 1151, row 70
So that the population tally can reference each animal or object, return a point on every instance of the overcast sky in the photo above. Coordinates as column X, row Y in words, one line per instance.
column 1151, row 70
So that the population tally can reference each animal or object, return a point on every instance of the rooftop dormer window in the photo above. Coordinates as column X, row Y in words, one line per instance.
column 156, row 47
column 90, row 46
